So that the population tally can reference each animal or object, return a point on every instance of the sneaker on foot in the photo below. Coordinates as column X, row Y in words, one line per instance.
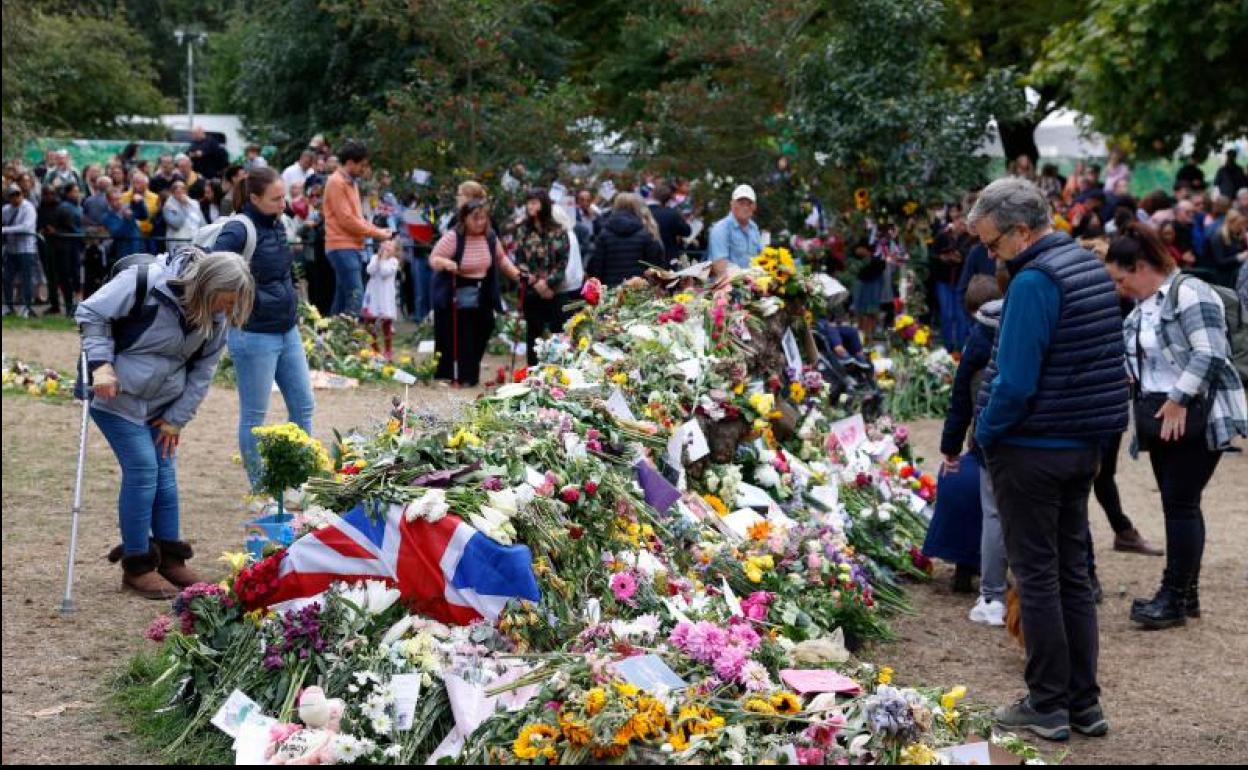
column 988, row 612
column 1090, row 721
column 1053, row 726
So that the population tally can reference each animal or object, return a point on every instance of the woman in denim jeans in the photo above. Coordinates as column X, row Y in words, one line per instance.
column 268, row 349
column 150, row 370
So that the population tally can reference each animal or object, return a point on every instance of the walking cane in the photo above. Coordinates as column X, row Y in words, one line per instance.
column 67, row 603
column 454, row 331
column 520, row 310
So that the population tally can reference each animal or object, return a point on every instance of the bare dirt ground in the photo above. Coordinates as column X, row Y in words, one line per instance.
column 1174, row 696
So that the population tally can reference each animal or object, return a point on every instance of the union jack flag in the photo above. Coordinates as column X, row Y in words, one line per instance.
column 446, row 570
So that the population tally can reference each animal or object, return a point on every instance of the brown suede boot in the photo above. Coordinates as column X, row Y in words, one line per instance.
column 1132, row 541
column 173, row 556
column 141, row 577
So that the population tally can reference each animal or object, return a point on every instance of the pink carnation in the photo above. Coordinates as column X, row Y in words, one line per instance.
column 705, row 642
column 743, row 636
column 729, row 662
column 159, row 628
column 680, row 636
column 810, row 756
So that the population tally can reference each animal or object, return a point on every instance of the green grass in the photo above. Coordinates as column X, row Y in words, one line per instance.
column 138, row 701
column 54, row 323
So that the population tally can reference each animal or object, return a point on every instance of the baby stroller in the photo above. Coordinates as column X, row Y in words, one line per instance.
column 850, row 375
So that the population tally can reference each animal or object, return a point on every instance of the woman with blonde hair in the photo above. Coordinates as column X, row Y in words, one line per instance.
column 152, row 338
column 628, row 244
column 1227, row 249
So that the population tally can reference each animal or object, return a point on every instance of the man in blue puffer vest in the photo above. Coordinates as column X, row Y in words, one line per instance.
column 1055, row 390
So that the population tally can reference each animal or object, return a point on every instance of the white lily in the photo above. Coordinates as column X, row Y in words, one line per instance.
column 381, row 596
column 396, row 632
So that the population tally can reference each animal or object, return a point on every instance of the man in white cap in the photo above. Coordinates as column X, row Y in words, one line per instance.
column 736, row 238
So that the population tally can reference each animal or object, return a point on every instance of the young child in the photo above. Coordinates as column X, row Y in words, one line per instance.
column 965, row 529
column 379, row 296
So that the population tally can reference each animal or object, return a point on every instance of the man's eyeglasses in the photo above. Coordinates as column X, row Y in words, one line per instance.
column 992, row 245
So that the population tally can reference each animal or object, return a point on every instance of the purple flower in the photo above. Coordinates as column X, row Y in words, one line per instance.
column 492, row 484
column 273, row 661
column 159, row 628
column 706, row 641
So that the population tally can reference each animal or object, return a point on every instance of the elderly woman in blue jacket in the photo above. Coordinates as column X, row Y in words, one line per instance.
column 268, row 349
column 151, row 367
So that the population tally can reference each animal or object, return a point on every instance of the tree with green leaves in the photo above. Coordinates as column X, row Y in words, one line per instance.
column 73, row 74
column 1153, row 71
column 999, row 43
column 874, row 107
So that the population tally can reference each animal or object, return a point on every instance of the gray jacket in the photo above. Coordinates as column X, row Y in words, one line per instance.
column 19, row 228
column 164, row 369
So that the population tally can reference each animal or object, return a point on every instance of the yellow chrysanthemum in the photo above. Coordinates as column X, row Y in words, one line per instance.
column 797, row 392
column 919, row 754
column 759, row 706
column 885, row 676
column 716, row 503
column 463, row 436
column 595, row 699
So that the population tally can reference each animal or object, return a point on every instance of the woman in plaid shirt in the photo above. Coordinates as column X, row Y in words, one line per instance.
column 1178, row 357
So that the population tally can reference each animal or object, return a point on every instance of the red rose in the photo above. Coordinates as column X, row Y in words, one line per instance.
column 591, row 292
column 575, row 532
column 570, row 494
column 591, row 487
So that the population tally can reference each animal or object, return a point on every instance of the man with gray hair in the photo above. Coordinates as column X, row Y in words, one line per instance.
column 1055, row 390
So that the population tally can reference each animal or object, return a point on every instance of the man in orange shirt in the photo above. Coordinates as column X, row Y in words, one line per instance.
column 346, row 228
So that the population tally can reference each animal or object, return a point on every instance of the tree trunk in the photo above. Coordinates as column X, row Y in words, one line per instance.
column 1018, row 137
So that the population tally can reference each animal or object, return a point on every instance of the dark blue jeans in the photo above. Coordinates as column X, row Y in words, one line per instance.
column 348, row 280
column 19, row 267
column 148, row 503
column 422, row 277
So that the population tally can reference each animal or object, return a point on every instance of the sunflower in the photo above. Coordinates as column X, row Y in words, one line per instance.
column 759, row 706
column 576, row 733
column 786, row 703
column 534, row 740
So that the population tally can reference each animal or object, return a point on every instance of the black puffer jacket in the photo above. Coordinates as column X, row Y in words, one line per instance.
column 623, row 250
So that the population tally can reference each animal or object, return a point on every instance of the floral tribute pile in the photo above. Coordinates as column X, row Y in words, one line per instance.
column 916, row 376
column 713, row 543
column 32, row 380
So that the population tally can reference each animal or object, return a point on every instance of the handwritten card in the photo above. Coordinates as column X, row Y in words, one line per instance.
column 808, row 680
column 792, row 354
column 617, row 406
column 234, row 712
column 406, row 695
column 850, row 433
column 688, row 439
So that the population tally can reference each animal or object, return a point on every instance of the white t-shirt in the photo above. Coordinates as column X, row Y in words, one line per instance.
column 294, row 173
column 1159, row 374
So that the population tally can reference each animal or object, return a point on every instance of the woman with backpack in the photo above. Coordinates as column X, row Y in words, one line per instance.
column 269, row 348
column 152, row 337
column 466, row 262
column 1188, row 400
column 542, row 247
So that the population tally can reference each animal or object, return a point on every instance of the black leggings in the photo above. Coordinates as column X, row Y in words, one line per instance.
column 540, row 316
column 469, row 339
column 1182, row 470
column 1106, row 489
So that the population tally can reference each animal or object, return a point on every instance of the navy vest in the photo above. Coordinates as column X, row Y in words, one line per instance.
column 1082, row 392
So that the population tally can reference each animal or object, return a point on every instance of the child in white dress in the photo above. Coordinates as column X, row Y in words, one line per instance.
column 380, row 306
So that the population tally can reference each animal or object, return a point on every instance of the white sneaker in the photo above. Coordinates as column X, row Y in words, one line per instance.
column 988, row 613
